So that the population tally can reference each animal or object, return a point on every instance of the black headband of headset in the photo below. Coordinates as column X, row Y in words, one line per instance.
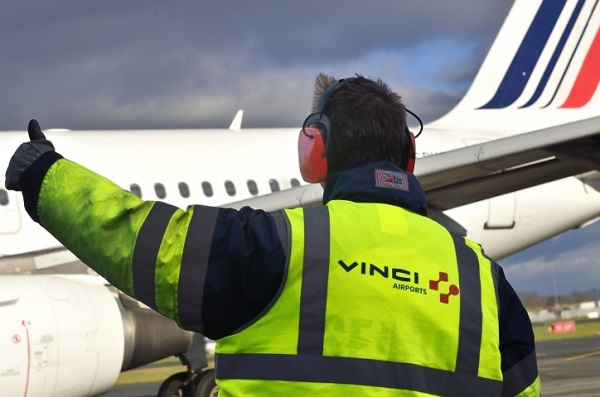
column 318, row 117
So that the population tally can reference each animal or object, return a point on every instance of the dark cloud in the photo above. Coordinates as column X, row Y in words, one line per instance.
column 157, row 64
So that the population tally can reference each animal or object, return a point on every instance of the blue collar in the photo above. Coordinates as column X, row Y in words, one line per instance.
column 377, row 182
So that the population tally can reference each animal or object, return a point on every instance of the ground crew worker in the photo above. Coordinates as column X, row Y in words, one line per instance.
column 364, row 296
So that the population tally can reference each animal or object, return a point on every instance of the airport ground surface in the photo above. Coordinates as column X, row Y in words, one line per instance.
column 567, row 368
column 570, row 367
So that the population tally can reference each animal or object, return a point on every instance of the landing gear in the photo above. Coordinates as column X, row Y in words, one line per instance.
column 206, row 386
column 172, row 385
column 189, row 384
column 199, row 379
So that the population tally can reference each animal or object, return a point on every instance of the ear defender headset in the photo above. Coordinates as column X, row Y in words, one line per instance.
column 314, row 139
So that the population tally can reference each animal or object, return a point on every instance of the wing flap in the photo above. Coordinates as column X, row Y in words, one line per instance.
column 300, row 196
column 49, row 261
column 505, row 165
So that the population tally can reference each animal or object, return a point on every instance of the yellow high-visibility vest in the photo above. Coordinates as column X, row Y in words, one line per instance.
column 377, row 301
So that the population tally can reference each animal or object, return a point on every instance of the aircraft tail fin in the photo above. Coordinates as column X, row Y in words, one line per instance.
column 543, row 69
column 236, row 123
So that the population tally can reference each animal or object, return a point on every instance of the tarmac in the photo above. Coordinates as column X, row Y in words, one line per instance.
column 570, row 367
column 567, row 368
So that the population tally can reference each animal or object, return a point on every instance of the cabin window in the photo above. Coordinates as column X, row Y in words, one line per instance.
column 3, row 197
column 230, row 188
column 252, row 188
column 295, row 182
column 135, row 189
column 274, row 185
column 207, row 189
column 160, row 191
column 184, row 189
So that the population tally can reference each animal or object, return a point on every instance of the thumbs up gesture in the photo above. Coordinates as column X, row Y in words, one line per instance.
column 26, row 154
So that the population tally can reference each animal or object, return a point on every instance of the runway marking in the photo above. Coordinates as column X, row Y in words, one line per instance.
column 582, row 356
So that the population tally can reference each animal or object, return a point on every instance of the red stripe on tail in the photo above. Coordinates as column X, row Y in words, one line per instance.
column 588, row 78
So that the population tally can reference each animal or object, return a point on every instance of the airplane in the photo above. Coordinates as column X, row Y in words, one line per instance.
column 514, row 163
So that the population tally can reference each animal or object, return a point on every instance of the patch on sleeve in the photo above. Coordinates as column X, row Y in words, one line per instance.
column 391, row 180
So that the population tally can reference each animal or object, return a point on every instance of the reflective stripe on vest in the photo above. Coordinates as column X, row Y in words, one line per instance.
column 154, row 272
column 310, row 364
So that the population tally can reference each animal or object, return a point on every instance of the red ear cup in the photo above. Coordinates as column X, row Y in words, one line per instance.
column 412, row 153
column 311, row 155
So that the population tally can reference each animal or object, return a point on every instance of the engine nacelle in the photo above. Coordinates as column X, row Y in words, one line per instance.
column 58, row 337
column 71, row 338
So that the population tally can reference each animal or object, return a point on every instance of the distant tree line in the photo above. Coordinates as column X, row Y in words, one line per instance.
column 534, row 301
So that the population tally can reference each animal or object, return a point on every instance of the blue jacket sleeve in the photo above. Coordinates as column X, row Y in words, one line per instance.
column 517, row 344
column 245, row 270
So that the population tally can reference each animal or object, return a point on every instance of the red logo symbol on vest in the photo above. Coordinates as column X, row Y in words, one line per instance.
column 452, row 289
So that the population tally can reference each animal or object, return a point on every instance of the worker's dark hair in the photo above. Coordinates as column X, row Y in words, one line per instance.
column 368, row 122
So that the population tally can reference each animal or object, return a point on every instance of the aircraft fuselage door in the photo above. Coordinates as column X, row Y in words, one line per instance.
column 10, row 218
column 501, row 212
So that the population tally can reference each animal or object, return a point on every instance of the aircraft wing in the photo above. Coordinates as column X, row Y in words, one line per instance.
column 477, row 172
column 40, row 261
column 489, row 169
column 300, row 196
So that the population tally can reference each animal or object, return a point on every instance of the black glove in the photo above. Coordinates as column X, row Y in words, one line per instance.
column 26, row 154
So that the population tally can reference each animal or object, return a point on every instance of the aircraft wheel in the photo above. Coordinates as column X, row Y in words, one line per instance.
column 206, row 386
column 172, row 385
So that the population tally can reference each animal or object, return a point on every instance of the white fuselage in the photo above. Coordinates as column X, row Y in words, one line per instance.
column 217, row 167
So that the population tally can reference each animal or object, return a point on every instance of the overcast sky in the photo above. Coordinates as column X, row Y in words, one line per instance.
column 192, row 64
